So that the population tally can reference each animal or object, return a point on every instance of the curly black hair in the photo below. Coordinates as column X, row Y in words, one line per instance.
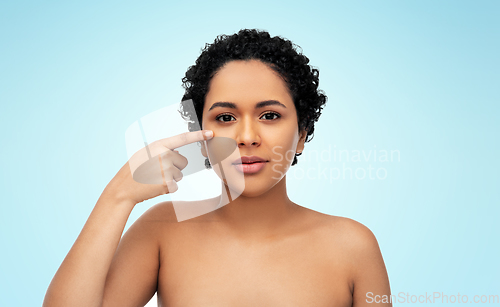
column 280, row 54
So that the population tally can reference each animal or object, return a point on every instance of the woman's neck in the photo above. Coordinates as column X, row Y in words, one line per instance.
column 261, row 216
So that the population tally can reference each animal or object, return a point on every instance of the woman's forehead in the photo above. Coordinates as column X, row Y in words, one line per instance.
column 247, row 82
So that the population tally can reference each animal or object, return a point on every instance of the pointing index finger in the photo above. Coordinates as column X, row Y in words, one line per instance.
column 187, row 138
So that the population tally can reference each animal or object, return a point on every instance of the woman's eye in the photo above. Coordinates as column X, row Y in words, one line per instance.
column 229, row 117
column 271, row 116
column 224, row 118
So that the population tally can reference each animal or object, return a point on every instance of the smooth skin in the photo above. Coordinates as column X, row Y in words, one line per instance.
column 262, row 249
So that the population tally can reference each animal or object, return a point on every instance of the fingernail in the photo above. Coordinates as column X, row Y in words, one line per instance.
column 209, row 133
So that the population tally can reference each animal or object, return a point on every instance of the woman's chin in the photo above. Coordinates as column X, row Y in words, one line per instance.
column 251, row 184
column 256, row 188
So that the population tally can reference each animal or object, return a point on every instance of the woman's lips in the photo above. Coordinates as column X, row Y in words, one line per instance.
column 250, row 168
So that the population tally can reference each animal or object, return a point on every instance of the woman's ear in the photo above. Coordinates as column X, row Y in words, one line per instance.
column 302, row 140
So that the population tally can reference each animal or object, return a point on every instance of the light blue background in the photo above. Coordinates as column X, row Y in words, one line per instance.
column 421, row 77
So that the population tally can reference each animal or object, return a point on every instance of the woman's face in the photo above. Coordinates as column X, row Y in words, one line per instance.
column 250, row 103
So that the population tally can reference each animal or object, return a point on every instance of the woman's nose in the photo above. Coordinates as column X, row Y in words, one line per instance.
column 248, row 134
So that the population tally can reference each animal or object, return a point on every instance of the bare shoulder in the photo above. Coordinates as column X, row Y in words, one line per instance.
column 352, row 235
column 160, row 213
column 167, row 220
column 354, row 247
column 187, row 212
column 154, row 219
column 357, row 234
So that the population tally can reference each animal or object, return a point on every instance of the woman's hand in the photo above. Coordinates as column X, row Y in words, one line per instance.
column 158, row 163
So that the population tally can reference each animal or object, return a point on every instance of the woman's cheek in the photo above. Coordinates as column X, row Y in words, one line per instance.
column 277, row 154
column 282, row 156
column 278, row 172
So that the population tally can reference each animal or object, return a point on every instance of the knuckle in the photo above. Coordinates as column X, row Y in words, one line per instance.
column 170, row 186
column 170, row 168
column 179, row 176
column 167, row 153
column 184, row 162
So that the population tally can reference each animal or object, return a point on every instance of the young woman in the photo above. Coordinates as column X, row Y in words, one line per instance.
column 261, row 249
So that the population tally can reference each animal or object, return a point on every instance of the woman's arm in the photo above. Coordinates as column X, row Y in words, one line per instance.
column 80, row 279
column 370, row 279
column 133, row 275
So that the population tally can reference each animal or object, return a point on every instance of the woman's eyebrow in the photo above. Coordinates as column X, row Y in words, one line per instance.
column 269, row 103
column 223, row 105
column 259, row 105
